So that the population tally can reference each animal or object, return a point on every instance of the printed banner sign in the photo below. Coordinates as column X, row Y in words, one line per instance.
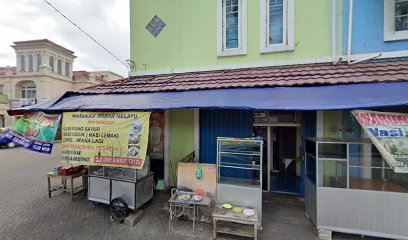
column 34, row 131
column 389, row 133
column 116, row 139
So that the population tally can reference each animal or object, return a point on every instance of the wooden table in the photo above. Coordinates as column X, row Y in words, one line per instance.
column 229, row 222
column 182, row 206
column 63, row 187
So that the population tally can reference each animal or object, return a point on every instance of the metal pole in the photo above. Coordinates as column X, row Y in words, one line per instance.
column 350, row 29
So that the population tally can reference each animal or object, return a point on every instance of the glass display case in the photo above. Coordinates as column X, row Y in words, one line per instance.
column 239, row 178
column 347, row 179
column 135, row 187
column 239, row 162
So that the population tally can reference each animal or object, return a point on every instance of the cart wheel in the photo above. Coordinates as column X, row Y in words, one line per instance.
column 119, row 209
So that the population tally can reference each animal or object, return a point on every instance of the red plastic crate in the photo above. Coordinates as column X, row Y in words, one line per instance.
column 70, row 171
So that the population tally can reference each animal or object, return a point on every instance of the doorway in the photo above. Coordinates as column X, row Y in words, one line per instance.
column 281, row 157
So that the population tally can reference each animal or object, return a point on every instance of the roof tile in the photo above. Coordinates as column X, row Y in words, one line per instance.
column 302, row 75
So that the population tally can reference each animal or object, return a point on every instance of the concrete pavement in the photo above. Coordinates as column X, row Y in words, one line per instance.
column 26, row 212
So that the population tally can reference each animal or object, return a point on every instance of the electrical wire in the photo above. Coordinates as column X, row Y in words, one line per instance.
column 87, row 34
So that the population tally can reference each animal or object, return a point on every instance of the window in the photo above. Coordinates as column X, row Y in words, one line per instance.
column 232, row 25
column 22, row 63
column 67, row 69
column 333, row 173
column 59, row 66
column 277, row 25
column 395, row 20
column 52, row 63
column 369, row 171
column 30, row 62
column 401, row 15
column 38, row 62
column 28, row 92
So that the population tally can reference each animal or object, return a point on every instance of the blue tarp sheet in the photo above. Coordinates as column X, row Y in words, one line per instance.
column 330, row 97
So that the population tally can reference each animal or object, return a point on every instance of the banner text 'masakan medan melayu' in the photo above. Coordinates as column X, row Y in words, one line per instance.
column 105, row 138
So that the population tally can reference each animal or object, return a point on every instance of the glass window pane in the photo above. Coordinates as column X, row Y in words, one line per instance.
column 350, row 128
column 401, row 23
column 332, row 174
column 311, row 168
column 332, row 150
column 378, row 179
column 275, row 22
column 365, row 155
column 30, row 62
column 311, row 147
column 67, row 69
column 22, row 63
column 59, row 66
column 401, row 15
column 38, row 61
column 52, row 64
column 232, row 24
column 243, row 177
column 229, row 9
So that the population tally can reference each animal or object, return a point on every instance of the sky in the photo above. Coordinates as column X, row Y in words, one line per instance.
column 107, row 21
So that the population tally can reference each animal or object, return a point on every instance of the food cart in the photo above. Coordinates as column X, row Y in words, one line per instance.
column 121, row 188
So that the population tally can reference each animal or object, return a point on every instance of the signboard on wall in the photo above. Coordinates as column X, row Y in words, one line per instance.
column 117, row 139
column 389, row 133
column 34, row 131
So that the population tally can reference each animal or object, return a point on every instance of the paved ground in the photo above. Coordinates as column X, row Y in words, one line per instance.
column 26, row 212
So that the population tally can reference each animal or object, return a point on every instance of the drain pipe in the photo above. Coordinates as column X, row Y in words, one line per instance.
column 350, row 28
column 334, row 31
column 377, row 55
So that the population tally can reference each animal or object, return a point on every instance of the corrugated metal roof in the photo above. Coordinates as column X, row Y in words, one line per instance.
column 303, row 75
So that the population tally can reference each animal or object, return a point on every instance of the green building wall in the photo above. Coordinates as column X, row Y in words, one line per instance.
column 181, row 138
column 190, row 37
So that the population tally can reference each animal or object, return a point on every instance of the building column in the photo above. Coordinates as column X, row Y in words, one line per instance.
column 167, row 147
column 197, row 133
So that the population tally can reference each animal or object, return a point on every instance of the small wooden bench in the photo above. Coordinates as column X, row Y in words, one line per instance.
column 229, row 222
column 63, row 187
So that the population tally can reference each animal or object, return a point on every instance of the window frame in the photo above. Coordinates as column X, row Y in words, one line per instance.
column 242, row 29
column 389, row 23
column 28, row 89
column 22, row 63
column 30, row 63
column 52, row 63
column 288, row 27
column 67, row 69
column 59, row 66
column 39, row 61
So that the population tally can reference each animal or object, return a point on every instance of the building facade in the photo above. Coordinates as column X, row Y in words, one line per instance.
column 43, row 71
column 287, row 71
column 228, row 44
column 230, row 34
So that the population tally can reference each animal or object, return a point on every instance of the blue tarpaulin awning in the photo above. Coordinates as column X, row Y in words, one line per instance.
column 329, row 97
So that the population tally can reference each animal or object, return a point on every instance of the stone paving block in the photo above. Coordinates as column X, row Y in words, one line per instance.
column 26, row 212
